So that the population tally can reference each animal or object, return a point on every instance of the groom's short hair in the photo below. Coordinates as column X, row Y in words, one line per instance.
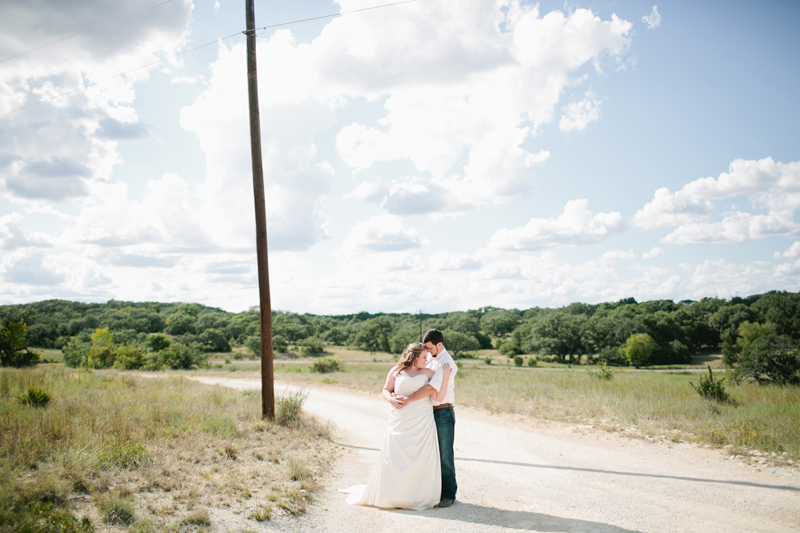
column 433, row 335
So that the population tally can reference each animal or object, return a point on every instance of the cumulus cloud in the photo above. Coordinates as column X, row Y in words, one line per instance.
column 30, row 268
column 578, row 115
column 615, row 255
column 653, row 20
column 489, row 96
column 61, row 145
column 574, row 227
column 384, row 233
column 444, row 260
column 671, row 209
column 769, row 185
column 655, row 252
column 735, row 228
column 792, row 251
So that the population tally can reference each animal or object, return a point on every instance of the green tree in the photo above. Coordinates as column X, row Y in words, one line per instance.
column 374, row 334
column 14, row 350
column 638, row 349
column 458, row 343
column 499, row 322
column 765, row 356
column 782, row 309
column 559, row 334
column 103, row 350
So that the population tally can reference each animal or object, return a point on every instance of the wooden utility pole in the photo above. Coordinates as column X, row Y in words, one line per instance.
column 267, row 375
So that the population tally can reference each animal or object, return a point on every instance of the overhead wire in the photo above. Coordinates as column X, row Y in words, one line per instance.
column 85, row 31
column 43, row 100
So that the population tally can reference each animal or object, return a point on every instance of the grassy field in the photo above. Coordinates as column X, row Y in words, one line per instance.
column 112, row 449
column 648, row 402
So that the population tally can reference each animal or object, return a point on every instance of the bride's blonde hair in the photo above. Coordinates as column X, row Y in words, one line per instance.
column 409, row 354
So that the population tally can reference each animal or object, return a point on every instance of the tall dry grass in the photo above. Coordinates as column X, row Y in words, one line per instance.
column 763, row 417
column 167, row 446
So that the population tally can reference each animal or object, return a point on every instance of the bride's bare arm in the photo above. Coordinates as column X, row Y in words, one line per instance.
column 388, row 389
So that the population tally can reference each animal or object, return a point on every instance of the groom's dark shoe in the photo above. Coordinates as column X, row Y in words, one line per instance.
column 445, row 502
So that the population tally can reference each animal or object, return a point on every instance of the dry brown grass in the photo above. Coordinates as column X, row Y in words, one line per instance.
column 111, row 445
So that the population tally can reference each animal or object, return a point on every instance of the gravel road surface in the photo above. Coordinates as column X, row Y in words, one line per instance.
column 517, row 474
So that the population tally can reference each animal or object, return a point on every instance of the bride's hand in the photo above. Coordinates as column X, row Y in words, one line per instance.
column 446, row 368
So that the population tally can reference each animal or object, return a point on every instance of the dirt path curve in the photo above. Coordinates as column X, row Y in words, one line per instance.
column 514, row 475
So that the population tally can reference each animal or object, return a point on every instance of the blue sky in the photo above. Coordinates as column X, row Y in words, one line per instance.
column 437, row 155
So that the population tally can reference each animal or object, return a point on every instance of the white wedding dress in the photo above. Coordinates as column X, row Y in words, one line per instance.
column 408, row 473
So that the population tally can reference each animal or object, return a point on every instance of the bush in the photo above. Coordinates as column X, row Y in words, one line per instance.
column 518, row 360
column 612, row 356
column 488, row 360
column 116, row 508
column 129, row 357
column 176, row 357
column 638, row 348
column 325, row 365
column 35, row 397
column 288, row 407
column 531, row 362
column 603, row 372
column 711, row 389
column 312, row 346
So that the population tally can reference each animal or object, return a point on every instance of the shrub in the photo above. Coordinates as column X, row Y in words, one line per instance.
column 129, row 357
column 198, row 518
column 711, row 389
column 298, row 469
column 488, row 360
column 34, row 397
column 288, row 407
column 612, row 356
column 531, row 362
column 518, row 360
column 638, row 348
column 312, row 346
column 115, row 508
column 325, row 365
column 603, row 372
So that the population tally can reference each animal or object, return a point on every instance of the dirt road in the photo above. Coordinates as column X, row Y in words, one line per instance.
column 516, row 475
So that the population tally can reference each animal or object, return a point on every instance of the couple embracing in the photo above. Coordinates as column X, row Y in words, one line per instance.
column 416, row 468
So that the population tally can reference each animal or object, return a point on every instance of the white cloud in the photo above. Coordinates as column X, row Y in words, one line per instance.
column 578, row 115
column 724, row 279
column 671, row 209
column 574, row 227
column 743, row 177
column 655, row 252
column 653, row 20
column 491, row 95
column 385, row 233
column 792, row 251
column 616, row 255
column 30, row 268
column 54, row 150
column 736, row 228
column 444, row 260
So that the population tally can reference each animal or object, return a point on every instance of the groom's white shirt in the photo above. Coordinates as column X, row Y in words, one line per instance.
column 434, row 363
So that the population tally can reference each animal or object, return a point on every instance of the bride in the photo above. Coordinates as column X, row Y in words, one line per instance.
column 408, row 473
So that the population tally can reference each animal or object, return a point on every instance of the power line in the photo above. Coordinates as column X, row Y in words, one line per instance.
column 85, row 31
column 335, row 14
column 43, row 100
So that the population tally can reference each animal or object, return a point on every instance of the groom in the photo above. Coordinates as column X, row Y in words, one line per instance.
column 443, row 413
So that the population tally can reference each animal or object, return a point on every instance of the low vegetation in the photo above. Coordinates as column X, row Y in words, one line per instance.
column 641, row 402
column 148, row 454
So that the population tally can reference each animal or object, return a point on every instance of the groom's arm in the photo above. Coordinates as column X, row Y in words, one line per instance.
column 424, row 392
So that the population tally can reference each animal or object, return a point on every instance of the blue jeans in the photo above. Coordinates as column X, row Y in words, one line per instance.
column 446, row 429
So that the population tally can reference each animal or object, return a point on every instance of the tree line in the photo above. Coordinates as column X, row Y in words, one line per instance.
column 179, row 335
